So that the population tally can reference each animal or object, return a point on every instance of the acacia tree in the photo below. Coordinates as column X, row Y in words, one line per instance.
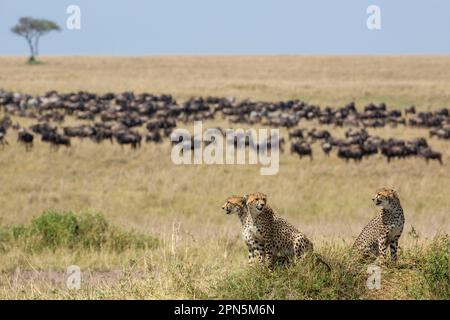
column 32, row 30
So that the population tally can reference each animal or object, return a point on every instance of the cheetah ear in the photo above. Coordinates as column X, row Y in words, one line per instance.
column 245, row 198
column 243, row 201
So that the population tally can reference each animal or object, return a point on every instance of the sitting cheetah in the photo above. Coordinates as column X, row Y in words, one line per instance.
column 269, row 234
column 237, row 205
column 384, row 230
column 287, row 241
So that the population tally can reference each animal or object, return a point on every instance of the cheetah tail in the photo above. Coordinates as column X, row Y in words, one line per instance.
column 320, row 259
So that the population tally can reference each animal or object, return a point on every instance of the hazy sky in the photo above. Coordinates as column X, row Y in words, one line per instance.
column 138, row 27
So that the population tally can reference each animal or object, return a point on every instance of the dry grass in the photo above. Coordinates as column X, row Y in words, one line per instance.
column 326, row 198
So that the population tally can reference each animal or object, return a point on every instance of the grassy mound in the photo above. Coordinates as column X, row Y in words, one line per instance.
column 306, row 279
column 53, row 230
column 423, row 272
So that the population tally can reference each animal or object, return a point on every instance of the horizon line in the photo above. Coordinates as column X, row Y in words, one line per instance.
column 232, row 55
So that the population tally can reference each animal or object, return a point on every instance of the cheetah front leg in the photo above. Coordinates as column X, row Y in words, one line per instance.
column 394, row 246
column 382, row 248
column 251, row 253
column 269, row 256
column 255, row 251
column 260, row 252
column 252, row 246
column 255, row 254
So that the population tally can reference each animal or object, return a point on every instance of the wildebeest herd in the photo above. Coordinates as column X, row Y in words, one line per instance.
column 121, row 117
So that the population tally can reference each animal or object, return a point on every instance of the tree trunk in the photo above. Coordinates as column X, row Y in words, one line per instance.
column 36, row 45
column 30, row 44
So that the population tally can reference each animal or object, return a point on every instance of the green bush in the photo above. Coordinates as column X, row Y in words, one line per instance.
column 436, row 268
column 53, row 230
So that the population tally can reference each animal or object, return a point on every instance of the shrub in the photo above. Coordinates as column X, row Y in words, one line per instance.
column 53, row 230
column 436, row 268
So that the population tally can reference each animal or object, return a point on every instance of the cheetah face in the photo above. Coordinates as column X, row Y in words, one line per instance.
column 234, row 205
column 256, row 202
column 385, row 198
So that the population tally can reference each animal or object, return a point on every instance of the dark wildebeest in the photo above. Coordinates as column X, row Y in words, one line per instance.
column 154, row 136
column 319, row 134
column 56, row 139
column 429, row 154
column 3, row 141
column 296, row 133
column 352, row 152
column 302, row 148
column 129, row 137
column 410, row 110
column 26, row 138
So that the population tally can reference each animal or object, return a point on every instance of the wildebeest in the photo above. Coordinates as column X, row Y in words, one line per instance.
column 55, row 139
column 441, row 133
column 160, row 124
column 5, row 123
column 3, row 140
column 296, row 133
column 44, row 127
column 153, row 136
column 410, row 110
column 351, row 152
column 327, row 147
column 302, row 148
column 319, row 134
column 429, row 154
column 102, row 131
column 26, row 138
column 129, row 137
column 83, row 131
column 369, row 148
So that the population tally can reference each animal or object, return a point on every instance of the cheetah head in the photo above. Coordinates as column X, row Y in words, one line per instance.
column 234, row 205
column 385, row 198
column 256, row 202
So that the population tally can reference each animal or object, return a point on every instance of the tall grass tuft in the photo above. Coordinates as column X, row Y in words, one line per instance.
column 53, row 230
column 436, row 268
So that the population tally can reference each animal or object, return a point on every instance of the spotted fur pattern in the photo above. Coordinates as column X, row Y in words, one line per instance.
column 237, row 205
column 268, row 235
column 383, row 231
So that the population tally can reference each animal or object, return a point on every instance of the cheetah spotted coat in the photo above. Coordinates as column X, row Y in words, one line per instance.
column 383, row 231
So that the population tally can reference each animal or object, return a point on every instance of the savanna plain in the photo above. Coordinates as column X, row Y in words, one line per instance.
column 162, row 230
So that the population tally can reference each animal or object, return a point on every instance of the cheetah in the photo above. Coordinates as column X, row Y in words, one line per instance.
column 237, row 205
column 384, row 230
column 270, row 235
